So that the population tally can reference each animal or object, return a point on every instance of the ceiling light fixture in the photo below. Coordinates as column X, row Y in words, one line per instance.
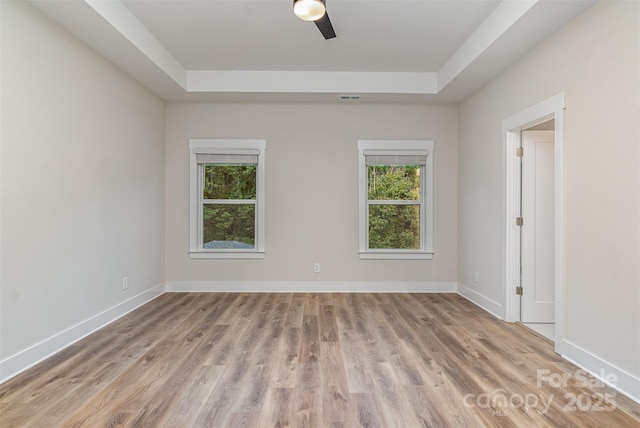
column 309, row 10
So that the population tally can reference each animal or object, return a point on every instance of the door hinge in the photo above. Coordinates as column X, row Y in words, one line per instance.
column 519, row 221
column 520, row 152
column 519, row 291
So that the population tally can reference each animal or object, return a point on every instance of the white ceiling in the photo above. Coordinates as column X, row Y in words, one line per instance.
column 266, row 35
column 385, row 50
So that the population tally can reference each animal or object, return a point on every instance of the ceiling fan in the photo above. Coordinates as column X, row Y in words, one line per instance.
column 316, row 11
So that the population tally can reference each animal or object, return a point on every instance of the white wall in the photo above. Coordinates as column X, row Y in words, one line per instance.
column 594, row 59
column 311, row 189
column 82, row 184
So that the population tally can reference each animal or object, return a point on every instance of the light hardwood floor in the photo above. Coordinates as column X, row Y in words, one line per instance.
column 309, row 360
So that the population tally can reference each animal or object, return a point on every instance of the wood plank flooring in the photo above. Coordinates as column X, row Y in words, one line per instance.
column 309, row 360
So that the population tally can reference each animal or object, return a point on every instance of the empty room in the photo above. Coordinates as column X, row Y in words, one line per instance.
column 310, row 213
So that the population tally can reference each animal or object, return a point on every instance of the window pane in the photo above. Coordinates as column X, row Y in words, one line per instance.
column 394, row 226
column 229, row 226
column 400, row 183
column 229, row 181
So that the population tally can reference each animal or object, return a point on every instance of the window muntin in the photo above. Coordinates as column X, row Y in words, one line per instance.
column 227, row 218
column 395, row 199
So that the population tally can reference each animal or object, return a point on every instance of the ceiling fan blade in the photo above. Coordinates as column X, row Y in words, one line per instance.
column 325, row 27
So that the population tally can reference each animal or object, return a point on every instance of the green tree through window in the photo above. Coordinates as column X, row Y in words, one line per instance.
column 394, row 225
column 228, row 217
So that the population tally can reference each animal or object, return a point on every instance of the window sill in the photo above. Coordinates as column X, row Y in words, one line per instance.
column 226, row 254
column 395, row 256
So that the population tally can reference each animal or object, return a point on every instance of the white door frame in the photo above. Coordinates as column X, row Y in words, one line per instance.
column 551, row 108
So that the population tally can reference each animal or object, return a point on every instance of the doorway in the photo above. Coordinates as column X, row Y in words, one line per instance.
column 537, row 245
column 534, row 260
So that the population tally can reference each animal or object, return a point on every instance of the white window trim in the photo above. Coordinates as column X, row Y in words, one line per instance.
column 226, row 146
column 397, row 147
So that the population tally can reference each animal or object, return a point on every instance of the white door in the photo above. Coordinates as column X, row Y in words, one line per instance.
column 537, row 304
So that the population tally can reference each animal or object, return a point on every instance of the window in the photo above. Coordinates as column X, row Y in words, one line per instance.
column 227, row 198
column 396, row 199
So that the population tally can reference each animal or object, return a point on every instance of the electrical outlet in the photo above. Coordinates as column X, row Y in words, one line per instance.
column 476, row 277
column 316, row 267
column 125, row 283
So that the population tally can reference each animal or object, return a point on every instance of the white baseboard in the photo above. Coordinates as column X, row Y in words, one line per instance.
column 310, row 287
column 491, row 306
column 31, row 356
column 624, row 382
